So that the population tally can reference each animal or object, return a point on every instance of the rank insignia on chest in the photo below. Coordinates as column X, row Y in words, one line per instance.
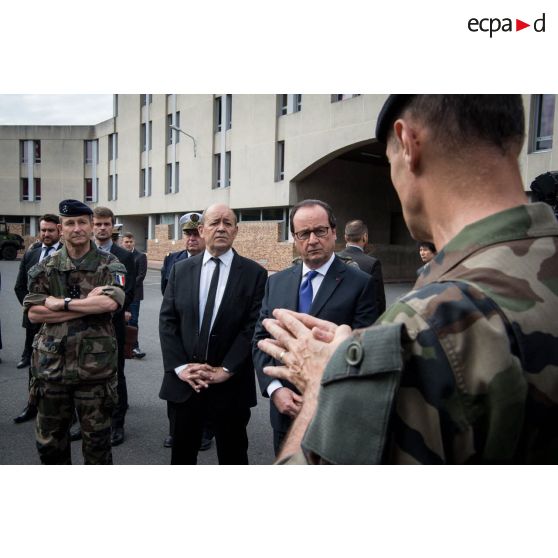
column 119, row 279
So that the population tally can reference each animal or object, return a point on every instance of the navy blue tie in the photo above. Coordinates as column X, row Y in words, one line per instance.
column 305, row 293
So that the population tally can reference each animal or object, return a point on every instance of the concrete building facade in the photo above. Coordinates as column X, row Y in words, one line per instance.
column 163, row 155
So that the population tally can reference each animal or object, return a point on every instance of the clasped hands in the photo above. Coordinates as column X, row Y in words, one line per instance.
column 201, row 376
column 303, row 344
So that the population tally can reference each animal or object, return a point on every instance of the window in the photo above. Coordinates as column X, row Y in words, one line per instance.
column 91, row 152
column 36, row 150
column 90, row 194
column 113, row 187
column 146, row 136
column 168, row 179
column 217, row 170
column 280, row 161
column 227, row 169
column 287, row 104
column 170, row 131
column 218, row 112
column 177, row 124
column 343, row 96
column 26, row 194
column 222, row 181
column 543, row 122
column 145, row 182
column 229, row 111
column 145, row 99
column 113, row 147
column 282, row 104
column 170, row 186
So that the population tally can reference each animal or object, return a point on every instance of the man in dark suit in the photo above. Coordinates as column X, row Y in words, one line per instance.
column 140, row 260
column 356, row 237
column 194, row 244
column 322, row 285
column 206, row 324
column 103, row 223
column 49, row 242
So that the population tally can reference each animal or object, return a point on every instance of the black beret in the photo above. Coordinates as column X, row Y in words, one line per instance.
column 73, row 208
column 392, row 108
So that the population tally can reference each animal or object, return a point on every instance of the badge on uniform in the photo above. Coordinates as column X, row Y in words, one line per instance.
column 119, row 279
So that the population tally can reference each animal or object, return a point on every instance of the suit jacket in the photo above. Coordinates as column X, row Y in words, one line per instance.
column 346, row 296
column 170, row 259
column 30, row 258
column 373, row 267
column 230, row 339
column 140, row 259
column 127, row 260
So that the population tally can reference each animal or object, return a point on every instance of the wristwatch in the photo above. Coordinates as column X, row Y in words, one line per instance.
column 66, row 302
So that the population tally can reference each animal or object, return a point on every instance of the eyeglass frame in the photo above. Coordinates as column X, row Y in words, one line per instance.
column 310, row 231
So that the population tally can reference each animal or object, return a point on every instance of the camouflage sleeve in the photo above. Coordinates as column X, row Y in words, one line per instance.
column 37, row 286
column 461, row 386
column 116, row 281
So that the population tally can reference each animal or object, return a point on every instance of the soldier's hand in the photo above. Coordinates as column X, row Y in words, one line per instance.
column 304, row 344
column 97, row 291
column 287, row 401
column 55, row 304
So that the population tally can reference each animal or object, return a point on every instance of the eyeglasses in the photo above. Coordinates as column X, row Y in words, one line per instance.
column 320, row 232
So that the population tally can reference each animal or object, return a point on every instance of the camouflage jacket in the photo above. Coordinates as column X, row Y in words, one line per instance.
column 467, row 362
column 83, row 349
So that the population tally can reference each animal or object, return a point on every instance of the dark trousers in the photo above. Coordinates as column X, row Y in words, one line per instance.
column 134, row 310
column 228, row 423
column 30, row 331
column 122, row 391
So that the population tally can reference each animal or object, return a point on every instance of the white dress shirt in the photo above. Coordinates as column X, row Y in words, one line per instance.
column 53, row 248
column 208, row 267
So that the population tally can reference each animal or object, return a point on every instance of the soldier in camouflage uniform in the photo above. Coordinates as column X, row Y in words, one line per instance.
column 463, row 369
column 73, row 294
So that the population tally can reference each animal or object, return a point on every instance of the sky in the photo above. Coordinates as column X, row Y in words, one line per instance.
column 54, row 109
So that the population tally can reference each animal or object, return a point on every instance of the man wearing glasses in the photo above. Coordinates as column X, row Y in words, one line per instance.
column 320, row 285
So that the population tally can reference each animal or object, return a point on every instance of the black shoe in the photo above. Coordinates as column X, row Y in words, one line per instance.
column 137, row 353
column 29, row 413
column 117, row 436
column 168, row 442
column 205, row 444
column 25, row 362
column 75, row 432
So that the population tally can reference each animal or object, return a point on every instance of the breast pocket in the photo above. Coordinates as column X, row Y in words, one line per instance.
column 48, row 357
column 97, row 357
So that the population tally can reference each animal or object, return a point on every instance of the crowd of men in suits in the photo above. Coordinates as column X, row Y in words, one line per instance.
column 214, row 302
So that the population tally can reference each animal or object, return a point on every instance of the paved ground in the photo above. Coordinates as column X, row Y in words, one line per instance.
column 146, row 421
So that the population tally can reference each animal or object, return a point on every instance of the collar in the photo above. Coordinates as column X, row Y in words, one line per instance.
column 55, row 246
column 225, row 258
column 532, row 220
column 105, row 246
column 349, row 245
column 321, row 270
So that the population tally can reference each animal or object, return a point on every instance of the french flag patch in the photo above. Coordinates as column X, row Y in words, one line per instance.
column 120, row 279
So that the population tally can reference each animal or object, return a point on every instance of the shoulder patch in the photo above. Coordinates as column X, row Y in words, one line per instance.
column 118, row 272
